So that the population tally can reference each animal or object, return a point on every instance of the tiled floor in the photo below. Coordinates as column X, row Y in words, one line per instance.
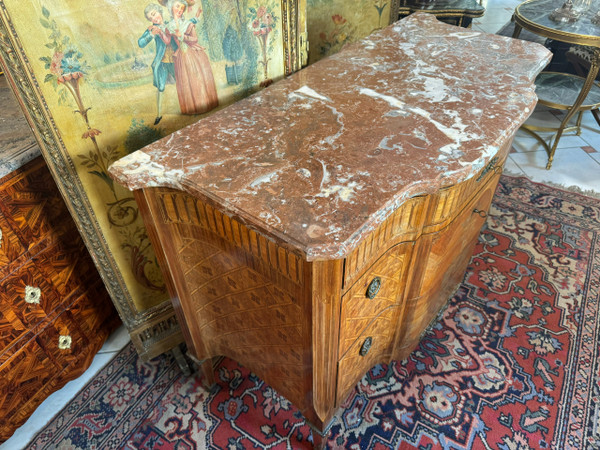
column 577, row 163
column 577, row 158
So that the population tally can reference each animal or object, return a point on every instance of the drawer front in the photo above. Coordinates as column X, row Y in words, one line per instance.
column 380, row 287
column 449, row 255
column 374, row 346
column 32, row 206
column 67, row 264
column 26, row 378
column 27, row 299
column 94, row 313
column 63, row 340
column 10, row 245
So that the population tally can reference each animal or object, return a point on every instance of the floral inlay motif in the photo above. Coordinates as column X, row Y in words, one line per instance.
column 64, row 342
column 32, row 294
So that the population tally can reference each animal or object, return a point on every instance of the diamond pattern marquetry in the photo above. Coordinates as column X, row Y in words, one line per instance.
column 312, row 329
column 27, row 370
column 358, row 311
column 10, row 245
column 244, row 315
column 353, row 365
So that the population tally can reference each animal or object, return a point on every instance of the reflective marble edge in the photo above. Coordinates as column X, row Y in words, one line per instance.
column 538, row 12
column 17, row 143
column 318, row 160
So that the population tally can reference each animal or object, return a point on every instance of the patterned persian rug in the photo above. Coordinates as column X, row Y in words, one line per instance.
column 511, row 364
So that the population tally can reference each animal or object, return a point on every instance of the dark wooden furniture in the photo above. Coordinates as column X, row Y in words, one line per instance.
column 55, row 313
column 316, row 228
column 456, row 12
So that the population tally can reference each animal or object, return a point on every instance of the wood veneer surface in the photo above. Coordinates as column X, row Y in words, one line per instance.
column 55, row 313
column 273, row 217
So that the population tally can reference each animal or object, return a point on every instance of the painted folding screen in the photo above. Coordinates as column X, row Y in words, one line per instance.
column 100, row 79
column 334, row 23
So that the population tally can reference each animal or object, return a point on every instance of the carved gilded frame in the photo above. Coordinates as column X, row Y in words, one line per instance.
column 154, row 330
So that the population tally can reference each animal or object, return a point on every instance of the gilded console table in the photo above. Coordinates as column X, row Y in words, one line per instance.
column 556, row 90
column 316, row 228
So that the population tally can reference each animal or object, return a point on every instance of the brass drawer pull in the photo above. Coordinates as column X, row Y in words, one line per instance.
column 64, row 342
column 480, row 212
column 32, row 294
column 364, row 349
column 373, row 288
column 491, row 166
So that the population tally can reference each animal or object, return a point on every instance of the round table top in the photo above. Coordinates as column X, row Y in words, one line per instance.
column 534, row 15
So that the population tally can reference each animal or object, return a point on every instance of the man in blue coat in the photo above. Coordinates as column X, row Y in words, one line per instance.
column 163, row 70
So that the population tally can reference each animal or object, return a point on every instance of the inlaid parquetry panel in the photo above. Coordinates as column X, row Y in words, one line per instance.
column 240, row 311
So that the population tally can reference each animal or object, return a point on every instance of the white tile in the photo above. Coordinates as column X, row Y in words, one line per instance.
column 571, row 167
column 116, row 341
column 595, row 157
column 511, row 167
column 53, row 404
column 591, row 135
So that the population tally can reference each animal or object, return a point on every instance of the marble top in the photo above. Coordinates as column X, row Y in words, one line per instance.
column 538, row 12
column 321, row 158
column 17, row 143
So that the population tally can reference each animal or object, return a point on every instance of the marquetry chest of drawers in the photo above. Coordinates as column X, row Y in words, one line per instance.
column 317, row 227
column 55, row 313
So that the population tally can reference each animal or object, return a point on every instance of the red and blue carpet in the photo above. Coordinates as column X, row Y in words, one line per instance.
column 512, row 363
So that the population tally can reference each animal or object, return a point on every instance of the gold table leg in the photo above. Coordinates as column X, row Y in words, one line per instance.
column 587, row 85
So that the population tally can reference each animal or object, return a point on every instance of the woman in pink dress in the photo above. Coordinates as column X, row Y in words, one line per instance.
column 194, row 80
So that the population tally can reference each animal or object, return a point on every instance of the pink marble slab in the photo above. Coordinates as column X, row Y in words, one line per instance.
column 321, row 158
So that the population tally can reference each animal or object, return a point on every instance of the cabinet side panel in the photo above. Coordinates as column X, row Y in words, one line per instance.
column 237, row 293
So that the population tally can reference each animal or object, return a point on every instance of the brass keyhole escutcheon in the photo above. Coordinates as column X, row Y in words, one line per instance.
column 481, row 213
column 373, row 288
column 364, row 349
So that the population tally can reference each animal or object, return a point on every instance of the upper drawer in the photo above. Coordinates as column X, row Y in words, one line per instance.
column 10, row 245
column 381, row 286
column 26, row 298
column 32, row 206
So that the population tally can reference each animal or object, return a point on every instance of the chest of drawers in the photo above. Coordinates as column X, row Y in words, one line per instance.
column 55, row 313
column 316, row 228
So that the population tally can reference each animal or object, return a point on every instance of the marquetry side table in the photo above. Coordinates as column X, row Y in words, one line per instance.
column 55, row 313
column 562, row 91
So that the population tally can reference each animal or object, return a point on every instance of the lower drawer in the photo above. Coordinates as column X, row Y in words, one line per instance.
column 25, row 378
column 28, row 298
column 374, row 345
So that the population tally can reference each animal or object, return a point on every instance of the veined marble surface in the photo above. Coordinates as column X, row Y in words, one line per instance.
column 17, row 144
column 321, row 158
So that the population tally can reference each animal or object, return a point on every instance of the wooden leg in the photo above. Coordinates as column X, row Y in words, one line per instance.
column 320, row 437
column 207, row 366
column 181, row 361
column 208, row 370
column 596, row 115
